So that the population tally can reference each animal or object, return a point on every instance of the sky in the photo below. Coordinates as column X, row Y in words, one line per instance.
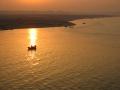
column 77, row 6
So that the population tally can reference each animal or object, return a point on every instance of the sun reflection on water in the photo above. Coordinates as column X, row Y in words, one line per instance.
column 31, row 57
column 33, row 36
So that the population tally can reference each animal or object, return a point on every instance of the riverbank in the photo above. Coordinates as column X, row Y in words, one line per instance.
column 9, row 22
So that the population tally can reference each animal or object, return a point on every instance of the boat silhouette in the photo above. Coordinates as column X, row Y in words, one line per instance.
column 32, row 47
column 83, row 23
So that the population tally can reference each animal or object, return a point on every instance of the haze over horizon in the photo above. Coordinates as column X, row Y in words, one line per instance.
column 75, row 6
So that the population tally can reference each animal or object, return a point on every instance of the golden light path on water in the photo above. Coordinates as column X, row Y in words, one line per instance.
column 32, row 36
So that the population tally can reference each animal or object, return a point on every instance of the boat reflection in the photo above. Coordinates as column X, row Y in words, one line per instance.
column 32, row 58
column 31, row 55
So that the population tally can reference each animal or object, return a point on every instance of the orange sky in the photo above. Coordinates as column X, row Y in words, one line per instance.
column 87, row 6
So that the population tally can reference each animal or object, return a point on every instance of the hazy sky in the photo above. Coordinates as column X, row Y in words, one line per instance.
column 87, row 6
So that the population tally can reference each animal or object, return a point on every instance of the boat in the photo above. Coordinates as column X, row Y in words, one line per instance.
column 32, row 47
column 83, row 23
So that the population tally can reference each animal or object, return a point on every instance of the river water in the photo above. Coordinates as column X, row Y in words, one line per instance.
column 83, row 57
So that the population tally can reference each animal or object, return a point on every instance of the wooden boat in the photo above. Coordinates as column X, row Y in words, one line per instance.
column 32, row 47
column 83, row 23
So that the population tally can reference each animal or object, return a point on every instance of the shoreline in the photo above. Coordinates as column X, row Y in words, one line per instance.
column 10, row 22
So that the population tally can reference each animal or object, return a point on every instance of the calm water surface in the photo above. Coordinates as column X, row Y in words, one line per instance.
column 86, row 57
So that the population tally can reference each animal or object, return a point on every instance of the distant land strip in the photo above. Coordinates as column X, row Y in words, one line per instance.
column 10, row 22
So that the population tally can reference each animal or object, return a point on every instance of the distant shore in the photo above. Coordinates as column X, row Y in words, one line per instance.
column 9, row 22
